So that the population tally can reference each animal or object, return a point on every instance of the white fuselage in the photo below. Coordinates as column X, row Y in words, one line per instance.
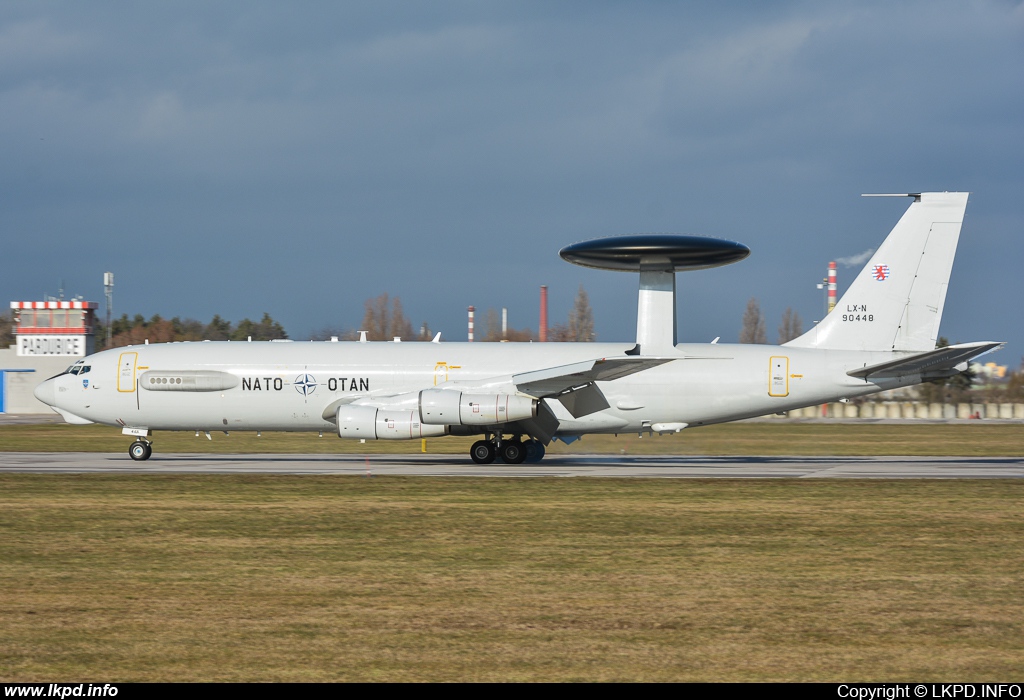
column 292, row 386
column 882, row 335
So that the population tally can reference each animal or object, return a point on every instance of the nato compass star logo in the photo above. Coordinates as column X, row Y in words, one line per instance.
column 305, row 384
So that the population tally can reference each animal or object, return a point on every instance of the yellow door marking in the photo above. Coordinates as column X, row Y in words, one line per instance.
column 126, row 371
column 441, row 372
column 778, row 376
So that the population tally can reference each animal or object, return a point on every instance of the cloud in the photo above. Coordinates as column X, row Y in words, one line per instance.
column 856, row 260
column 425, row 139
column 161, row 116
column 36, row 42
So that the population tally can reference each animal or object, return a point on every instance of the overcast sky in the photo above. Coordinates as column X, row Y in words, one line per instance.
column 298, row 158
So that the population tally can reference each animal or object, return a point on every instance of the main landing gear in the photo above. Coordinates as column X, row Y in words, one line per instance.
column 513, row 451
column 140, row 450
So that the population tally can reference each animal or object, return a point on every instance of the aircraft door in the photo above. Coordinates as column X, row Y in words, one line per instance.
column 440, row 373
column 778, row 376
column 126, row 371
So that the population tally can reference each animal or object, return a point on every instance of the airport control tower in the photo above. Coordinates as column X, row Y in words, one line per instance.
column 48, row 328
column 48, row 336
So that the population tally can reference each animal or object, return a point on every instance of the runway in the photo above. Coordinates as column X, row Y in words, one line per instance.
column 659, row 466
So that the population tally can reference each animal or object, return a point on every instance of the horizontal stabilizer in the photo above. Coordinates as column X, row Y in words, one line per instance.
column 556, row 380
column 933, row 364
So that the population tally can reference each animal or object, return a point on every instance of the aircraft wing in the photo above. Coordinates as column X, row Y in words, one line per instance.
column 573, row 385
column 932, row 364
column 558, row 380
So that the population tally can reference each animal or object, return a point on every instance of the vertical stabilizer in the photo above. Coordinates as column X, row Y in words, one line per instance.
column 896, row 301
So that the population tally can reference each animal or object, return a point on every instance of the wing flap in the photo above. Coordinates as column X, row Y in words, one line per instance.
column 556, row 380
column 543, row 426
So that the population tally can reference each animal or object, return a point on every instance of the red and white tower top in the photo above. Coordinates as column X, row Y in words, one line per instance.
column 831, row 286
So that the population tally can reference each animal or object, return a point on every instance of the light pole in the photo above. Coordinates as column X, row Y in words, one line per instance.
column 824, row 285
column 108, row 289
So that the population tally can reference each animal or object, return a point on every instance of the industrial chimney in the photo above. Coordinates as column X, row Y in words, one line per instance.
column 543, row 333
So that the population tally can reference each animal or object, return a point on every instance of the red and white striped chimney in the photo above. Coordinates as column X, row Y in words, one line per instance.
column 831, row 286
column 472, row 309
column 543, row 313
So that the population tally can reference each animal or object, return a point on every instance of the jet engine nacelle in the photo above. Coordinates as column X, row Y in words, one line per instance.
column 371, row 423
column 449, row 407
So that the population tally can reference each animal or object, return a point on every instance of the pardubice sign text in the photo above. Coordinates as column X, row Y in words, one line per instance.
column 73, row 345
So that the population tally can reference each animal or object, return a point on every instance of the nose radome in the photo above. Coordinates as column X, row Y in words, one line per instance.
column 46, row 393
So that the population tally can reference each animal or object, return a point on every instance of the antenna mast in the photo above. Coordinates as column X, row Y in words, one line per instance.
column 108, row 289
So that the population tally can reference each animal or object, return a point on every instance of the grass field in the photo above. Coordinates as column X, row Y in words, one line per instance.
column 751, row 438
column 157, row 577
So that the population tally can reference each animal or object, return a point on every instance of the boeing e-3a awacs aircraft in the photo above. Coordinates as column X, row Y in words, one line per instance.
column 519, row 396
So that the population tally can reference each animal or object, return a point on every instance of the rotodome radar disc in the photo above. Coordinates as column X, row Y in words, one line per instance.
column 669, row 252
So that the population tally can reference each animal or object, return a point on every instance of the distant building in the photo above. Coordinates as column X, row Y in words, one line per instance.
column 48, row 336
column 989, row 370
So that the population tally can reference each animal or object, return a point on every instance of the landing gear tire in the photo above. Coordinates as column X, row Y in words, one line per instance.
column 534, row 451
column 140, row 451
column 513, row 452
column 482, row 452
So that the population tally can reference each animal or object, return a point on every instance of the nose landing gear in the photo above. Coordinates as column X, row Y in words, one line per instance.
column 140, row 450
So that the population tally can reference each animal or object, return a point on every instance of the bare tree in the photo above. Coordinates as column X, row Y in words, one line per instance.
column 383, row 321
column 493, row 333
column 753, row 330
column 328, row 332
column 559, row 333
column 792, row 326
column 579, row 327
column 518, row 335
column 375, row 319
column 400, row 326
column 581, row 318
